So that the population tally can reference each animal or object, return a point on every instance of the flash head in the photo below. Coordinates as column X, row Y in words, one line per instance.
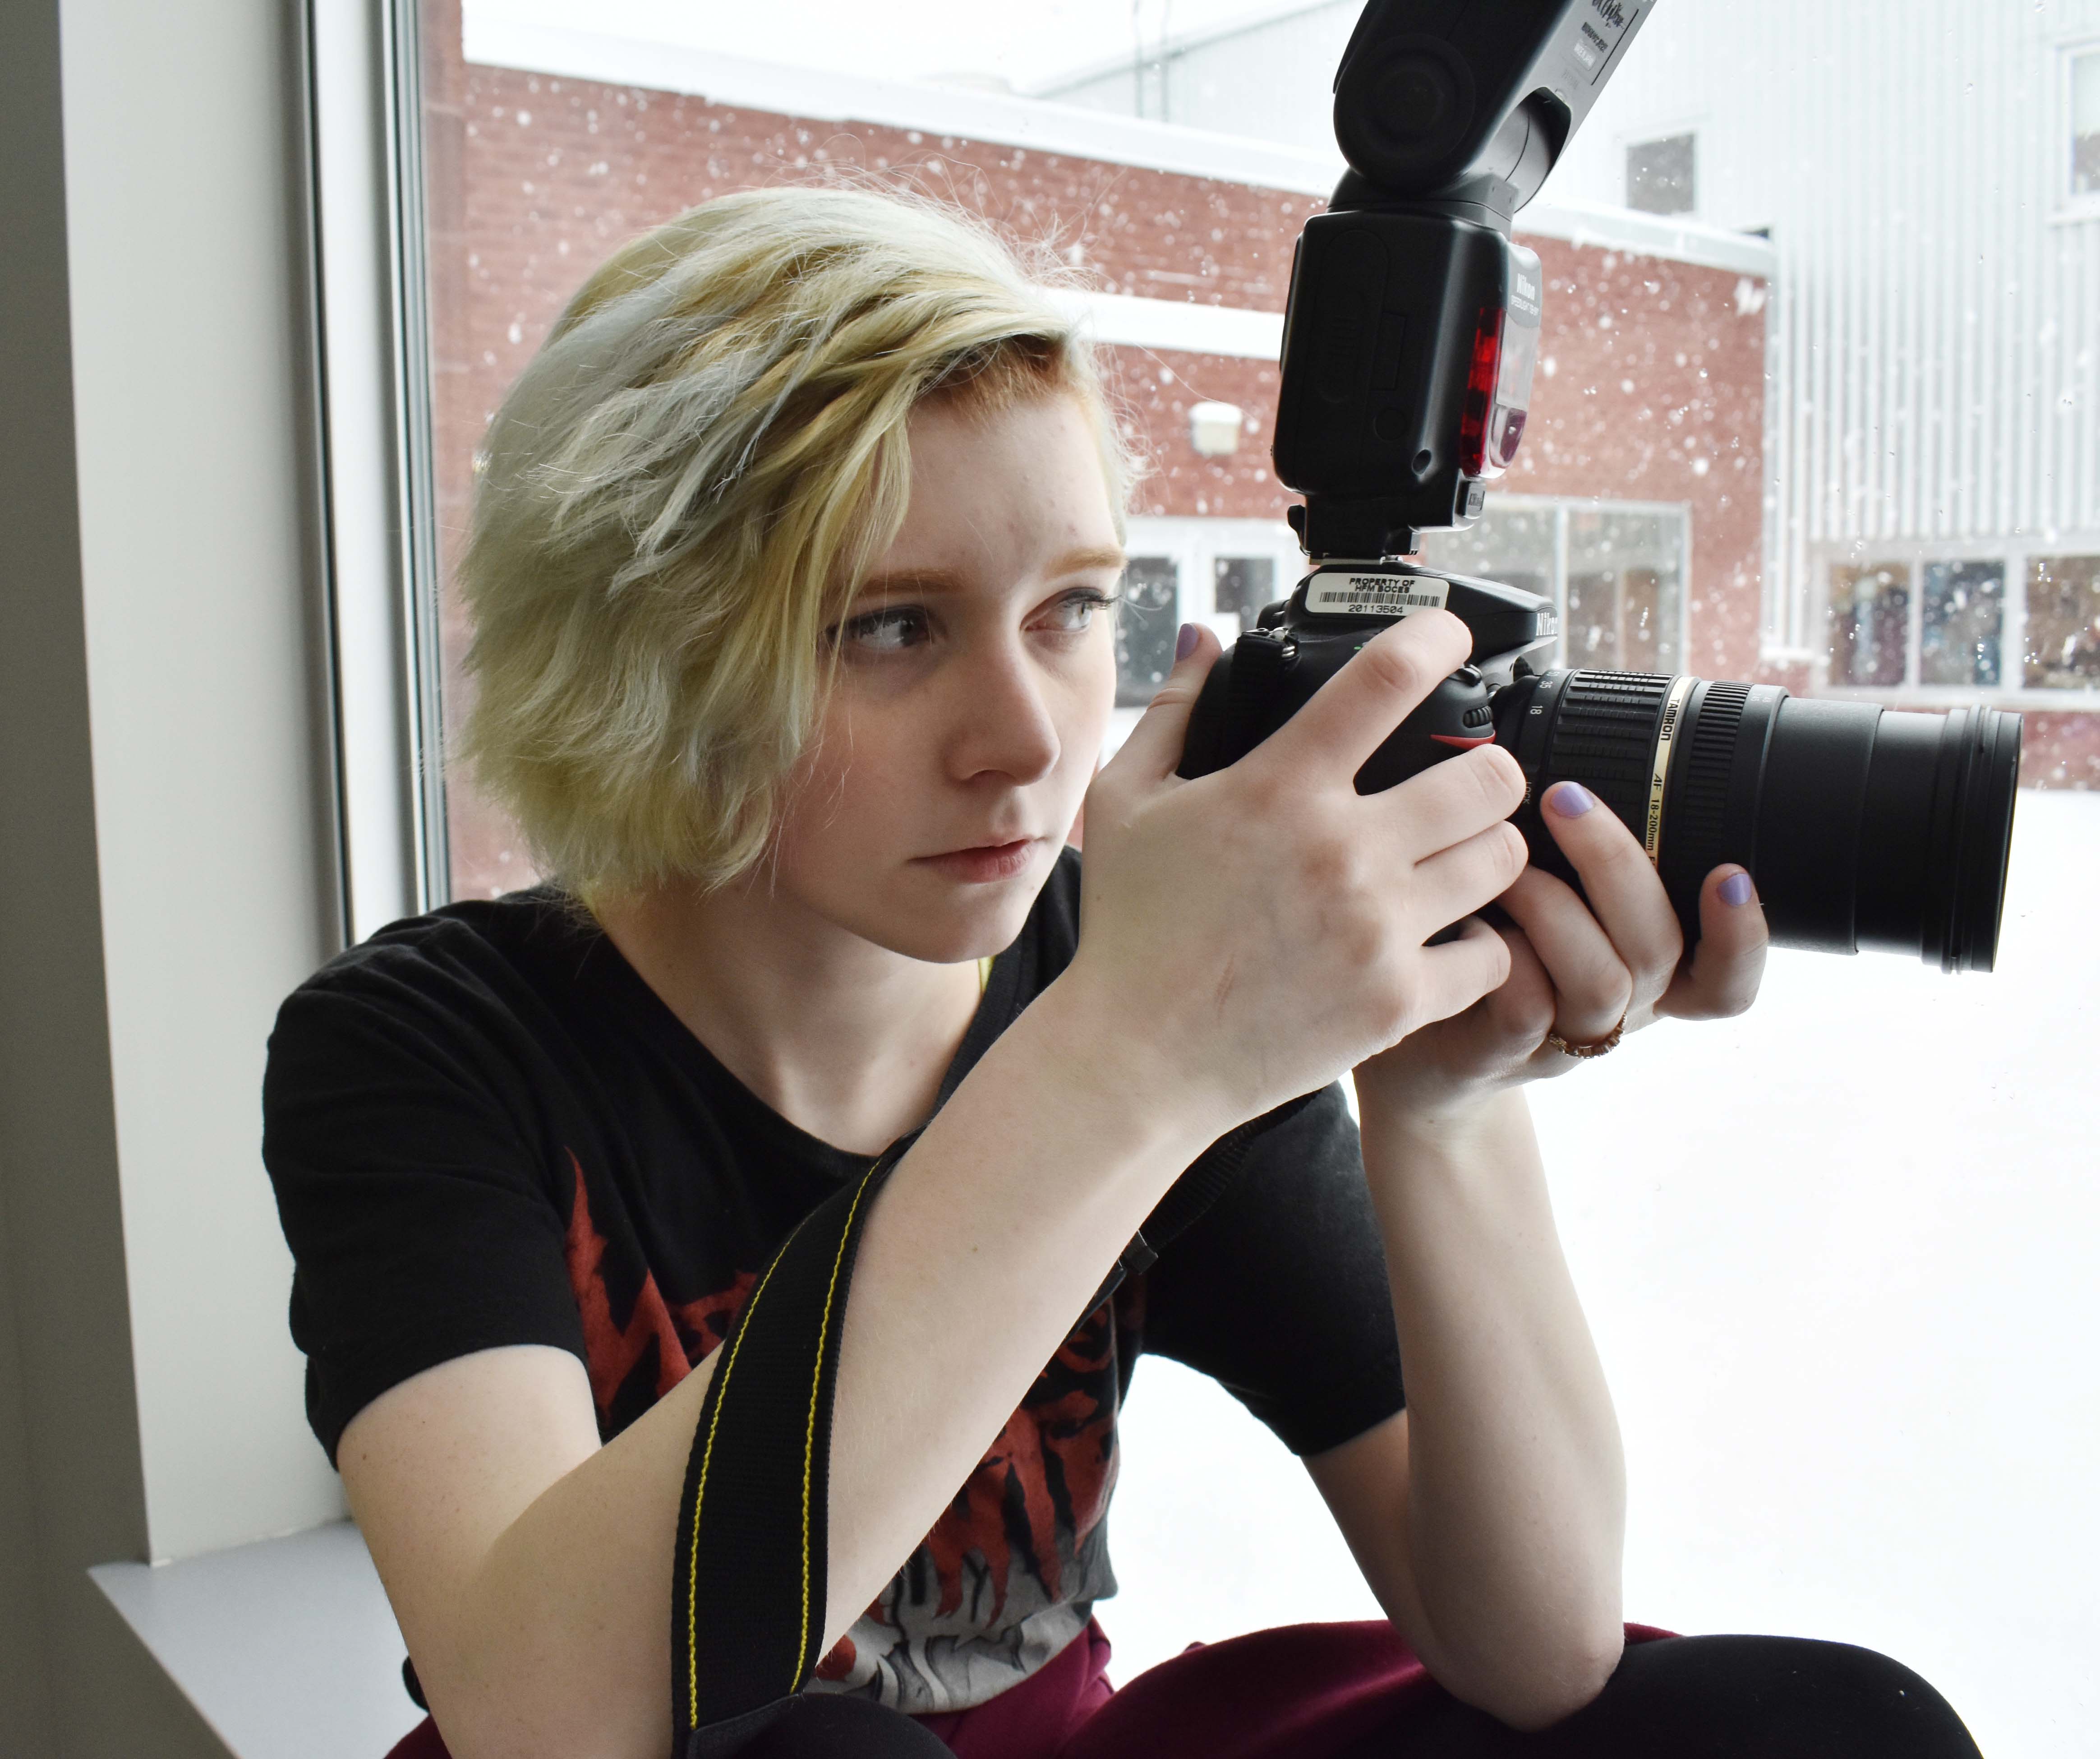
column 1412, row 328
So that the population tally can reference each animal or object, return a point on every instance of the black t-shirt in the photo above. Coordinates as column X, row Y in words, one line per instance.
column 485, row 1129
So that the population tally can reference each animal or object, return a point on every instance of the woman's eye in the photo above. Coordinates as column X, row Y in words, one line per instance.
column 889, row 630
column 1075, row 612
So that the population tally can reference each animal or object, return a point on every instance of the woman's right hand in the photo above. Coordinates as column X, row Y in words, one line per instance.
column 1253, row 933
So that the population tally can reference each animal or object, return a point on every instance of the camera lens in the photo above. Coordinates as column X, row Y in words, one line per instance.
column 1862, row 826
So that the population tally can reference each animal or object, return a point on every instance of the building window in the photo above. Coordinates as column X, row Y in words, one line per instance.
column 2084, row 83
column 1616, row 573
column 1661, row 175
column 1146, row 624
column 1241, row 585
column 1518, row 546
column 1963, row 612
column 2064, row 623
column 1624, row 575
column 1870, row 623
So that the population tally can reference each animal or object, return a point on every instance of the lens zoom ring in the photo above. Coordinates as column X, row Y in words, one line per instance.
column 1605, row 735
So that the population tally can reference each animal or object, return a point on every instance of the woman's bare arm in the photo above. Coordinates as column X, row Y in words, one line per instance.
column 1488, row 1516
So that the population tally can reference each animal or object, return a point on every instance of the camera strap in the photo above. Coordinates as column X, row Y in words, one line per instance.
column 747, row 1598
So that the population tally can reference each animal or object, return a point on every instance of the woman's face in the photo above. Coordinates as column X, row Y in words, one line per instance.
column 975, row 680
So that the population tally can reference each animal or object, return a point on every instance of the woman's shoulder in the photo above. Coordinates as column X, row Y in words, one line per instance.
column 460, row 942
column 478, row 971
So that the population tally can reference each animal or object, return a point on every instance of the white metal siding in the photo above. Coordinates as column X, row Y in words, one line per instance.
column 1937, row 317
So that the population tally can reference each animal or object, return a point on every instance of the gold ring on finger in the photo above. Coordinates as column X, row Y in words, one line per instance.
column 1608, row 1042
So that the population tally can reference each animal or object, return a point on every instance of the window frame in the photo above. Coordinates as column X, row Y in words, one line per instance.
column 379, row 559
column 2015, row 555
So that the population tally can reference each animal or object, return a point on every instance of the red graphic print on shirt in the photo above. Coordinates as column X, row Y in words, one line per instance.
column 682, row 1335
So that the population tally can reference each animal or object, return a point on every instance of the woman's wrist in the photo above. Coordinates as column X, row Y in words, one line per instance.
column 1435, row 1116
column 1108, row 1075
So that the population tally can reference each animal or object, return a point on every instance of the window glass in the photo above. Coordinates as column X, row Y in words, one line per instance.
column 1243, row 584
column 1660, row 176
column 1514, row 545
column 1147, row 622
column 1964, row 606
column 1625, row 573
column 1869, row 623
column 2064, row 623
column 2085, row 123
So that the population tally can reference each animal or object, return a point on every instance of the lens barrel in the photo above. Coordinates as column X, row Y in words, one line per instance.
column 1863, row 827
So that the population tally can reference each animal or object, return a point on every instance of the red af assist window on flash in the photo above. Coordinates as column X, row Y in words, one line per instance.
column 1505, row 356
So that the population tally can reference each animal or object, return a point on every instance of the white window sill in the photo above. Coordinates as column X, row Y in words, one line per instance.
column 287, row 1648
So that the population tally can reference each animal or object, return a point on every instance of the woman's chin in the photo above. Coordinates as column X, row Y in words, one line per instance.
column 966, row 922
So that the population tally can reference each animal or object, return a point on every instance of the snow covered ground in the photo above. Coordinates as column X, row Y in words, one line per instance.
column 1840, row 1258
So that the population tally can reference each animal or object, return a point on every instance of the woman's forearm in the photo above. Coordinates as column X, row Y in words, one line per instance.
column 1515, row 1489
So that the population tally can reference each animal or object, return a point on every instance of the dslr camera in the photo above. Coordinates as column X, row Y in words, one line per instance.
column 1410, row 340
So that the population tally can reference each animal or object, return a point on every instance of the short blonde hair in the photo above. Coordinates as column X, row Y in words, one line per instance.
column 686, row 487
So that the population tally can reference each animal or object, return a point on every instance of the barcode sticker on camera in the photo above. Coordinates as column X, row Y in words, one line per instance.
column 1340, row 595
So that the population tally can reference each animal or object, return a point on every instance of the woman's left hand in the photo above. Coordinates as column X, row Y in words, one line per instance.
column 1579, row 970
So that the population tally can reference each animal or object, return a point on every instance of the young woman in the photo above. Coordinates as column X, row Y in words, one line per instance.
column 793, row 569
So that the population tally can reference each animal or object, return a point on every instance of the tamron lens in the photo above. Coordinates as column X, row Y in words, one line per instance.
column 1863, row 827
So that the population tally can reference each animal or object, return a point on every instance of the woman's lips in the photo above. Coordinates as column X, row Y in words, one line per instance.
column 996, row 861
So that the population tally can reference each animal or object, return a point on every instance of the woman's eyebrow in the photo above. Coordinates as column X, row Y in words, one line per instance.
column 941, row 580
column 1090, row 556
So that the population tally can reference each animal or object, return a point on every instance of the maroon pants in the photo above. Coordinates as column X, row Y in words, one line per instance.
column 1300, row 1692
column 1355, row 1691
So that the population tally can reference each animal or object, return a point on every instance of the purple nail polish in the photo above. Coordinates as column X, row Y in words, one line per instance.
column 1735, row 891
column 1184, row 643
column 1571, row 800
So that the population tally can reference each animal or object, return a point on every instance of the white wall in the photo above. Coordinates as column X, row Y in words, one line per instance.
column 209, row 815
column 162, row 873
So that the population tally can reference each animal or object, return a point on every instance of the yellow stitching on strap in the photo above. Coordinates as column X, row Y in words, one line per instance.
column 809, row 1441
column 720, row 1392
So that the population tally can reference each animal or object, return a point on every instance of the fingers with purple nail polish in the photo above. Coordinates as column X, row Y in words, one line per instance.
column 1571, row 800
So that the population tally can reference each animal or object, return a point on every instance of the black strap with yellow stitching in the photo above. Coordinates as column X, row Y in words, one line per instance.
column 747, row 1602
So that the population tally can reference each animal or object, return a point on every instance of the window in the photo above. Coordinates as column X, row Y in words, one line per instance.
column 1147, row 621
column 1617, row 573
column 2084, row 83
column 1242, row 585
column 1661, row 175
column 1624, row 572
column 1870, row 623
column 1516, row 545
column 1962, row 613
column 2064, row 623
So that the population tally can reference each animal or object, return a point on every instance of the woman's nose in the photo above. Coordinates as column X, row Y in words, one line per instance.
column 1003, row 720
